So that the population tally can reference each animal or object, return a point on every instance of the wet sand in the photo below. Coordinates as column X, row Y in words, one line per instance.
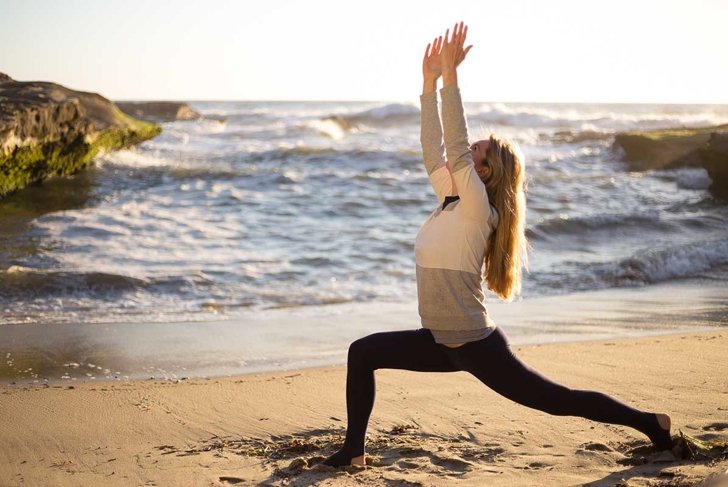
column 294, row 338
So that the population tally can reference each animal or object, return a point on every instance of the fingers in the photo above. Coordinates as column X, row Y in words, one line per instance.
column 459, row 33
column 454, row 40
column 433, row 48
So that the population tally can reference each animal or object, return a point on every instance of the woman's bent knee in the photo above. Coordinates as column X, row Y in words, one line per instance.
column 359, row 349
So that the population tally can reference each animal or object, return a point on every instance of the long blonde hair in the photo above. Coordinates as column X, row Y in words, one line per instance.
column 507, row 252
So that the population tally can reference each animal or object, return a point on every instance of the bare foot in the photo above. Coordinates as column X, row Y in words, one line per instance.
column 662, row 439
column 342, row 459
column 664, row 420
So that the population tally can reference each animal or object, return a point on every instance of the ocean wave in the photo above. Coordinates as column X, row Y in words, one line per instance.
column 24, row 282
column 311, row 154
column 652, row 266
column 329, row 128
column 257, row 164
column 591, row 116
column 207, row 125
column 135, row 158
column 553, row 228
column 688, row 177
column 579, row 136
column 644, row 267
column 390, row 114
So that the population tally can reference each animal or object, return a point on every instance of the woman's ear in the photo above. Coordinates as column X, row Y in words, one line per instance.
column 486, row 172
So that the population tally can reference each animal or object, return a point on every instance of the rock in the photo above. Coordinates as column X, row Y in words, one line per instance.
column 715, row 161
column 705, row 147
column 159, row 111
column 656, row 149
column 47, row 129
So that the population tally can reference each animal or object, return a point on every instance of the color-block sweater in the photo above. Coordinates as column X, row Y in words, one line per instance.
column 451, row 244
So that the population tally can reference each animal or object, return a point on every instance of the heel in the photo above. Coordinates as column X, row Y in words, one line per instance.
column 341, row 459
column 660, row 431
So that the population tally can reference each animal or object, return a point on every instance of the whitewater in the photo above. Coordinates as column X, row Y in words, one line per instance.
column 295, row 204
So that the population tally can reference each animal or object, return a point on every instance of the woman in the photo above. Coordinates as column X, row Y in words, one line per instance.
column 479, row 224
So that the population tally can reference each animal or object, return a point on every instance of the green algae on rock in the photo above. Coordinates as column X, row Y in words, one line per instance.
column 47, row 129
column 705, row 147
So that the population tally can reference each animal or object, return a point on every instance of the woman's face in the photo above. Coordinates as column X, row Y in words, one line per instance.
column 479, row 150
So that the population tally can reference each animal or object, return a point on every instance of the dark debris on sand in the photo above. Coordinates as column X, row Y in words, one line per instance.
column 406, row 440
column 400, row 441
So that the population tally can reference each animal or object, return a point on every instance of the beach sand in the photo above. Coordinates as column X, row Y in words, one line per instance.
column 426, row 428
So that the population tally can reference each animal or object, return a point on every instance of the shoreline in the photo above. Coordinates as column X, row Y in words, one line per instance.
column 292, row 339
column 426, row 428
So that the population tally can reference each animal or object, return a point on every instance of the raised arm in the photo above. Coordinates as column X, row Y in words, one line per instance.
column 473, row 195
column 433, row 148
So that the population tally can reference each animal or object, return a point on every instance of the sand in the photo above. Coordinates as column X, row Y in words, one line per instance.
column 426, row 428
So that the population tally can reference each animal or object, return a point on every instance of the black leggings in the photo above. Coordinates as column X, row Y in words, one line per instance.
column 490, row 360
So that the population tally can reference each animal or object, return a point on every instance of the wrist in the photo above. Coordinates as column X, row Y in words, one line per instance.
column 429, row 84
column 449, row 77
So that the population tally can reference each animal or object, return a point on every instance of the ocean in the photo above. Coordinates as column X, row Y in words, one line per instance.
column 298, row 204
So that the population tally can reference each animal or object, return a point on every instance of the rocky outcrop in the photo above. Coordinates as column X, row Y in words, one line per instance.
column 715, row 160
column 159, row 111
column 705, row 147
column 47, row 129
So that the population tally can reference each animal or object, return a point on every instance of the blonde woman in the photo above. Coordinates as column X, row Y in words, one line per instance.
column 476, row 231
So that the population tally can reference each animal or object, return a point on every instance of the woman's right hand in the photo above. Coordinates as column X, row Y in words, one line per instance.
column 431, row 65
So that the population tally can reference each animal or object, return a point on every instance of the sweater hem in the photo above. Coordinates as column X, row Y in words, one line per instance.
column 447, row 337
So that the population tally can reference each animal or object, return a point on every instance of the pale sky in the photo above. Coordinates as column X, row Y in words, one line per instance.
column 661, row 51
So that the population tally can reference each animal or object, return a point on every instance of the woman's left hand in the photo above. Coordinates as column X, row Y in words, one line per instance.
column 452, row 51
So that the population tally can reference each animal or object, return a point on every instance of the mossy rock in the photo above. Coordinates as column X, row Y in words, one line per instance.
column 47, row 130
column 705, row 147
column 655, row 149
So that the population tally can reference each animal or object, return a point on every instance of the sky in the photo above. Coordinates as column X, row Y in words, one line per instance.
column 636, row 51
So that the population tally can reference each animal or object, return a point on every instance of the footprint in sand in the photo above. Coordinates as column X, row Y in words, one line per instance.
column 715, row 427
column 407, row 465
column 455, row 464
column 231, row 480
column 397, row 457
column 594, row 446
column 451, row 465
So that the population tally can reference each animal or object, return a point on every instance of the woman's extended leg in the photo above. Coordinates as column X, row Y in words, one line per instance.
column 407, row 350
column 492, row 361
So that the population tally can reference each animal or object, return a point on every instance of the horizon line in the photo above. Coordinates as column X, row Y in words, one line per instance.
column 391, row 101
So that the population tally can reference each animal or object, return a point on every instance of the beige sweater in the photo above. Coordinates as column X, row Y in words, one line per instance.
column 451, row 244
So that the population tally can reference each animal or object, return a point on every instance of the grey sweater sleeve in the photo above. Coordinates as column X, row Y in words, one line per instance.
column 471, row 189
column 456, row 129
column 433, row 148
